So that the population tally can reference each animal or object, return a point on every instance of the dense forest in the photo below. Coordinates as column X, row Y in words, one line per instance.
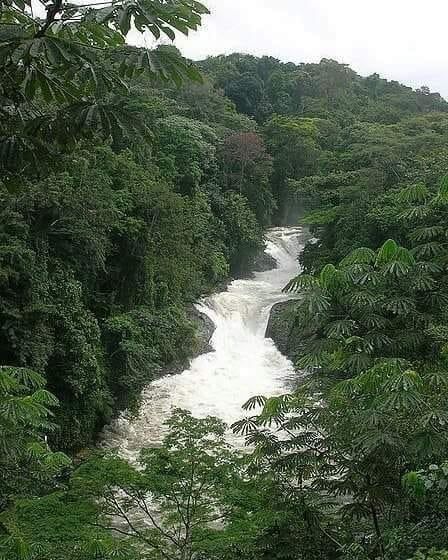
column 131, row 183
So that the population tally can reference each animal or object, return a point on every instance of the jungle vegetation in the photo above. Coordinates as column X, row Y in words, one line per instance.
column 131, row 182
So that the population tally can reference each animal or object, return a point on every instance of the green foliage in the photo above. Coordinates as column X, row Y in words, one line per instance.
column 168, row 506
column 247, row 170
column 243, row 232
column 353, row 446
column 183, row 481
column 123, row 199
column 66, row 76
column 375, row 305
column 192, row 496
column 329, row 128
column 98, row 260
column 27, row 464
column 102, row 253
column 140, row 342
column 187, row 152
column 431, row 555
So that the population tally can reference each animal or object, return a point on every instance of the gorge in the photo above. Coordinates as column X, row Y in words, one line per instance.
column 243, row 361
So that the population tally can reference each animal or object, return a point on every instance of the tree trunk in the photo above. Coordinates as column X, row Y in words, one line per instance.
column 377, row 529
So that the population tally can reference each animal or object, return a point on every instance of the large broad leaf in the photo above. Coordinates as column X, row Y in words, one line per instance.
column 26, row 377
column 328, row 276
column 363, row 299
column 398, row 305
column 315, row 302
column 387, row 251
column 378, row 340
column 373, row 321
column 341, row 329
column 430, row 250
column 254, row 402
column 301, row 282
column 423, row 281
column 443, row 190
column 396, row 268
column 164, row 63
column 244, row 426
column 361, row 255
column 426, row 233
column 313, row 360
column 71, row 67
column 417, row 193
column 415, row 213
column 357, row 362
column 154, row 16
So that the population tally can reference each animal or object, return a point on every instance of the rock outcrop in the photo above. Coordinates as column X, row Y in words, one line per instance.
column 262, row 262
column 281, row 326
column 204, row 332
column 205, row 328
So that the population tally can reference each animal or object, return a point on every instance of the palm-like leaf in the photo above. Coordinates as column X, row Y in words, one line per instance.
column 398, row 305
column 255, row 402
column 315, row 302
column 301, row 282
column 429, row 250
column 414, row 213
column 428, row 233
column 70, row 64
column 363, row 298
column 362, row 255
column 413, row 194
column 387, row 252
column 341, row 328
column 244, row 426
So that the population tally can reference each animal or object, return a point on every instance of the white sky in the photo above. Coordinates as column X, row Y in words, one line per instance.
column 403, row 40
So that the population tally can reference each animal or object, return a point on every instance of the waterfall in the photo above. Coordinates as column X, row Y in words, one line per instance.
column 243, row 362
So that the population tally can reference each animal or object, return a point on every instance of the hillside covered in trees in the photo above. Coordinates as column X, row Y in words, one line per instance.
column 132, row 183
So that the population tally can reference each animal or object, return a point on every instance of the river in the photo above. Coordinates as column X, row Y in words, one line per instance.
column 243, row 362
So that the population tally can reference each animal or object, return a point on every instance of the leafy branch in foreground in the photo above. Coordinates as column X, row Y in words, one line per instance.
column 61, row 75
column 25, row 421
column 355, row 444
column 172, row 504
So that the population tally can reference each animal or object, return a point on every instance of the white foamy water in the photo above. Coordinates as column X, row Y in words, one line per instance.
column 243, row 363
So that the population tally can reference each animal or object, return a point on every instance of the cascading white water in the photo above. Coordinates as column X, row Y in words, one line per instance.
column 243, row 362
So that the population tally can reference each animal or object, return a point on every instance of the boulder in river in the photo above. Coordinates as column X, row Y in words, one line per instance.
column 205, row 328
column 281, row 325
column 262, row 262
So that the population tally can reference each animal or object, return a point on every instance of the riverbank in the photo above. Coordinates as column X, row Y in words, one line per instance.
column 204, row 327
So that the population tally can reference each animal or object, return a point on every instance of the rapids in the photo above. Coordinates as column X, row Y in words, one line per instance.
column 243, row 362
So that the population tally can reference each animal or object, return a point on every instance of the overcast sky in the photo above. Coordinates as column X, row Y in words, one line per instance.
column 400, row 39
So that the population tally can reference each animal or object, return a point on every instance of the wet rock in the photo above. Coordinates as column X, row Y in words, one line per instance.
column 281, row 326
column 205, row 328
column 262, row 262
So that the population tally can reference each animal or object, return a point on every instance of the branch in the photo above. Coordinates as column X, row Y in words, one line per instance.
column 142, row 505
column 52, row 12
column 121, row 532
column 87, row 5
column 123, row 514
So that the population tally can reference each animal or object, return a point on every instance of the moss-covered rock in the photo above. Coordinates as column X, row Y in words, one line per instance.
column 203, row 332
